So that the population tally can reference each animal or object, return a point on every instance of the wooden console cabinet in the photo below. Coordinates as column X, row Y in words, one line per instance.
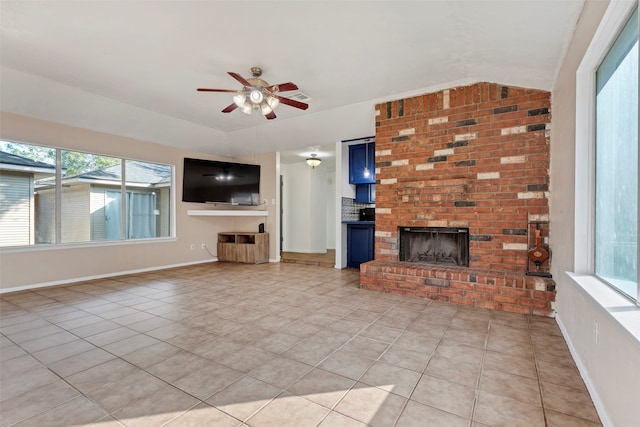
column 252, row 248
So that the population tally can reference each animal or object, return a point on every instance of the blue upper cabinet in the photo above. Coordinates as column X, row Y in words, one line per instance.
column 366, row 193
column 362, row 157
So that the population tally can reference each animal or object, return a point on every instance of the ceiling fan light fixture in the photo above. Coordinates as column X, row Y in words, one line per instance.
column 313, row 161
column 247, row 108
column 239, row 99
column 265, row 108
column 273, row 102
column 256, row 96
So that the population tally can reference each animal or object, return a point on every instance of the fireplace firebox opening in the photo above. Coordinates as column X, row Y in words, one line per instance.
column 434, row 245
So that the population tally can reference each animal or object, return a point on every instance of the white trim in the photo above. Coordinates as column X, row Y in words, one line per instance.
column 88, row 244
column 584, row 171
column 102, row 276
column 614, row 18
column 173, row 227
column 27, row 169
column 340, row 228
column 278, row 200
column 123, row 201
column 58, row 199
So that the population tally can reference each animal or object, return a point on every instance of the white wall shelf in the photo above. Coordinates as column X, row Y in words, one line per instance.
column 209, row 212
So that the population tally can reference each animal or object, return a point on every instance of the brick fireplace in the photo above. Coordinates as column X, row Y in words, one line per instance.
column 470, row 158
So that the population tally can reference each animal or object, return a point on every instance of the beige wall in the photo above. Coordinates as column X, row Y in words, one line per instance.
column 269, row 180
column 563, row 134
column 44, row 266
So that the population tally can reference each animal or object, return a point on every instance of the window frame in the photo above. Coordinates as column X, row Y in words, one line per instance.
column 614, row 20
column 123, row 186
column 609, row 67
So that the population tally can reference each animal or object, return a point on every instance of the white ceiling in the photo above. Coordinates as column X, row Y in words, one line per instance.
column 132, row 67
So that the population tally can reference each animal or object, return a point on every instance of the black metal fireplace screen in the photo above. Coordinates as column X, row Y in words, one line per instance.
column 434, row 245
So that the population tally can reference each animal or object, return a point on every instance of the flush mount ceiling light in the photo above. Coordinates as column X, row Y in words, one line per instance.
column 256, row 94
column 313, row 161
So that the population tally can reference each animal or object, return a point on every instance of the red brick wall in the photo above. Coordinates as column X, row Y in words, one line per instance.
column 474, row 156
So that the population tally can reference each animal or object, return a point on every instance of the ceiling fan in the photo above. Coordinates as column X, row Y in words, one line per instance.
column 257, row 94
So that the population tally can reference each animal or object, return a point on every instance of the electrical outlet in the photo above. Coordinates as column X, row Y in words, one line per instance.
column 203, row 246
column 596, row 331
column 193, row 246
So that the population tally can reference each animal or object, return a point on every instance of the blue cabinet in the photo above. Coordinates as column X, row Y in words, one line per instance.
column 366, row 193
column 362, row 157
column 360, row 243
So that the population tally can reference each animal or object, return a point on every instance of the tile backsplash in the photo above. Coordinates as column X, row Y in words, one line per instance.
column 351, row 208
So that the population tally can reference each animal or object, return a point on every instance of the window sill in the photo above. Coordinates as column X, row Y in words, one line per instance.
column 77, row 245
column 622, row 310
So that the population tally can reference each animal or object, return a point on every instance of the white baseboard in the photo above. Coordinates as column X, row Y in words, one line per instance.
column 101, row 276
column 602, row 413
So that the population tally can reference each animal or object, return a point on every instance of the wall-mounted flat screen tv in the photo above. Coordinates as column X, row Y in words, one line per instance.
column 210, row 181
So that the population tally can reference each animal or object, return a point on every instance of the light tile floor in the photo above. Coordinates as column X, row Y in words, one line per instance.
column 226, row 344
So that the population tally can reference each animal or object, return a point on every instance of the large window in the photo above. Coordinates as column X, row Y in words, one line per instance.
column 616, row 163
column 87, row 198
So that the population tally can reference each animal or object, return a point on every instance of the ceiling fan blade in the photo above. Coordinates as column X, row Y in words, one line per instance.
column 241, row 79
column 292, row 102
column 202, row 89
column 230, row 108
column 282, row 87
column 270, row 116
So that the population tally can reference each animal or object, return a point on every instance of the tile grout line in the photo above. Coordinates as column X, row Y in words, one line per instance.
column 422, row 373
column 539, row 381
column 36, row 306
column 332, row 409
column 316, row 366
column 484, row 355
column 82, row 394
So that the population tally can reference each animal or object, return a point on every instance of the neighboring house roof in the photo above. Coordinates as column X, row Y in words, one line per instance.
column 10, row 161
column 137, row 172
column 140, row 172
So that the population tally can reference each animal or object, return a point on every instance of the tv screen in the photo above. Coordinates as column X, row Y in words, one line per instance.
column 210, row 181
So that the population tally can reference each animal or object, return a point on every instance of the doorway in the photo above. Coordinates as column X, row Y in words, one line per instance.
column 307, row 208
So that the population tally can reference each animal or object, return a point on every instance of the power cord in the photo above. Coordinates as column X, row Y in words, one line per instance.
column 208, row 251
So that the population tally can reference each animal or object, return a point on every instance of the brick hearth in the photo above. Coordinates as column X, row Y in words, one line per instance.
column 474, row 157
